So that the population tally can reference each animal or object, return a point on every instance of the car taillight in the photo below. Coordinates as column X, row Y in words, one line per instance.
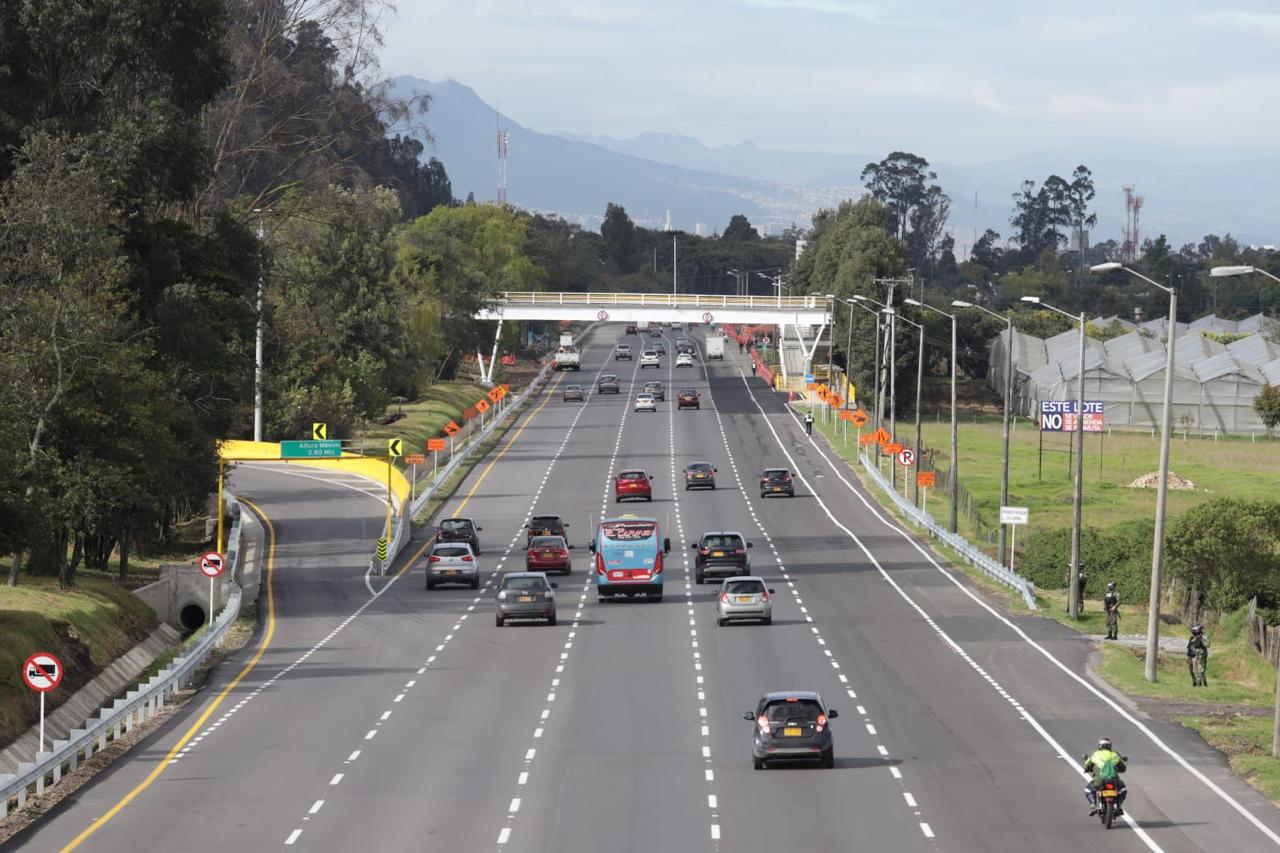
column 657, row 564
column 724, row 597
column 704, row 551
column 763, row 722
column 600, row 564
column 822, row 721
column 739, row 550
column 467, row 559
column 533, row 552
column 764, row 595
column 434, row 559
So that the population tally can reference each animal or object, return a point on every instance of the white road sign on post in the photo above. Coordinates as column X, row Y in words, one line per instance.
column 211, row 565
column 42, row 672
column 907, row 456
column 1014, row 516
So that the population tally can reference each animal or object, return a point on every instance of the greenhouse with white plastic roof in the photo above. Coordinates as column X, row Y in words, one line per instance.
column 1219, row 368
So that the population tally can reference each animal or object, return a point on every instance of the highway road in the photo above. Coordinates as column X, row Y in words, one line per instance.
column 406, row 720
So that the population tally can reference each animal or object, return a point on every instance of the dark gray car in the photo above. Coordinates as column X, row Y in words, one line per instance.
column 656, row 389
column 795, row 725
column 607, row 384
column 525, row 595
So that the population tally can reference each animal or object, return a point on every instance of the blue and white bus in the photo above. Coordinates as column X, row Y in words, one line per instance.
column 629, row 552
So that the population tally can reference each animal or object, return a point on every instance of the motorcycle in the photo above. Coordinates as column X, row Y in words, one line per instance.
column 1108, row 802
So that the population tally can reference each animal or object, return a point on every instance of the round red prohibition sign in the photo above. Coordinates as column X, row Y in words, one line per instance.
column 212, row 564
column 602, row 315
column 42, row 672
column 907, row 456
column 707, row 317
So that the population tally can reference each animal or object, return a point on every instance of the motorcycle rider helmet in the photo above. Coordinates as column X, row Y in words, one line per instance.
column 1197, row 630
column 1104, row 743
column 1111, row 586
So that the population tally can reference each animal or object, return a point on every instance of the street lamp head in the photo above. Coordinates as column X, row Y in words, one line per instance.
column 831, row 296
column 1227, row 272
column 960, row 303
column 1032, row 299
column 1109, row 266
column 915, row 302
column 858, row 297
column 888, row 311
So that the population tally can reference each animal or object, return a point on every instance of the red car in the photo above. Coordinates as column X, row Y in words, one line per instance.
column 688, row 399
column 632, row 483
column 548, row 554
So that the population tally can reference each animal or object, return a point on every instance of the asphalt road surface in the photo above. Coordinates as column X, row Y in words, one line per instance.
column 401, row 719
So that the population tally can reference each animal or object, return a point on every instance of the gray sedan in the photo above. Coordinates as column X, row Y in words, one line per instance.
column 452, row 562
column 744, row 598
column 525, row 595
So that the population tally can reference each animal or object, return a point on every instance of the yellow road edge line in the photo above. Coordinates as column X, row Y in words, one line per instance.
column 485, row 473
column 213, row 706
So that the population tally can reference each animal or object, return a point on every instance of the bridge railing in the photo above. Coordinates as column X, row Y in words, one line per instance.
column 663, row 300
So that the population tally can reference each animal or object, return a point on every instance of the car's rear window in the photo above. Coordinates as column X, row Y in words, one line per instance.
column 689, row 391
column 744, row 588
column 632, row 475
column 547, row 542
column 544, row 523
column 451, row 550
column 455, row 524
column 805, row 710
column 523, row 583
column 722, row 542
column 777, row 473
column 700, row 466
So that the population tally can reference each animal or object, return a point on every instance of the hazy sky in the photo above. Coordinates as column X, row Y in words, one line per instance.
column 951, row 80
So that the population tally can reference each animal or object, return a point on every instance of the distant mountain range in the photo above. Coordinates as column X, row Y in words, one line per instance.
column 575, row 176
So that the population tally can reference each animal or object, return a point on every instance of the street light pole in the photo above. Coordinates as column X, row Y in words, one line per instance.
column 848, row 347
column 1008, row 393
column 259, row 334
column 955, row 451
column 919, row 382
column 1075, row 602
column 1157, row 548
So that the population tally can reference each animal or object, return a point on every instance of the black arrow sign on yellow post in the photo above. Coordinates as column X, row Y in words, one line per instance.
column 395, row 447
column 319, row 432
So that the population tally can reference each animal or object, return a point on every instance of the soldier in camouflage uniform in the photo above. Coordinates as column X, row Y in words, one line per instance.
column 1198, row 656
column 1111, row 604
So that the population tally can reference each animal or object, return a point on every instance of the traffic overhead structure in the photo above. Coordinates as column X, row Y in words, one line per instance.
column 661, row 308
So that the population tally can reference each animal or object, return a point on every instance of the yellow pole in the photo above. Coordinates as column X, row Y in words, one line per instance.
column 388, row 498
column 221, row 465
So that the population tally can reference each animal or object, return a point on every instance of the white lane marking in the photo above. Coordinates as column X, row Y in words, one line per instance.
column 515, row 805
column 1133, row 824
column 924, row 827
column 354, row 755
column 372, row 733
column 911, row 801
column 316, row 807
column 293, row 836
column 504, row 835
column 337, row 777
column 385, row 716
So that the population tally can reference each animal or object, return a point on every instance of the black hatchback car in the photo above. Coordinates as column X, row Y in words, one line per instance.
column 795, row 725
column 721, row 553
column 459, row 530
column 776, row 481
column 545, row 525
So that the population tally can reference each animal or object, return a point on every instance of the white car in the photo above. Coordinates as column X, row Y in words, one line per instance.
column 646, row 403
column 452, row 562
column 684, row 360
column 649, row 358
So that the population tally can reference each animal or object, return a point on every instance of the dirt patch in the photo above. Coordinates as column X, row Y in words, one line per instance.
column 1152, row 480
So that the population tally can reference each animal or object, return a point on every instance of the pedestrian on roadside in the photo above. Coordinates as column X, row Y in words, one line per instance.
column 753, row 367
column 741, row 348
column 1111, row 604
column 1084, row 581
column 1198, row 656
column 808, row 423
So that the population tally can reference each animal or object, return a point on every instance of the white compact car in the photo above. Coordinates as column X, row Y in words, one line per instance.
column 684, row 360
column 646, row 403
column 649, row 358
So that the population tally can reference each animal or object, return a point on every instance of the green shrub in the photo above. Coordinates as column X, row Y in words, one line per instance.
column 1122, row 555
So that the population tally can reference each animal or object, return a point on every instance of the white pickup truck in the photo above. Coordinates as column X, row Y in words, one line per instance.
column 567, row 358
column 715, row 346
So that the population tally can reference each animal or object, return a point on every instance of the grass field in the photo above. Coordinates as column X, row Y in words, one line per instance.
column 1236, row 467
column 425, row 417
column 1246, row 740
column 87, row 628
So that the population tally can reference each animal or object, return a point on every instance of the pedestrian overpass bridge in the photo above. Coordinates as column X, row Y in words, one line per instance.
column 798, row 312
column 661, row 308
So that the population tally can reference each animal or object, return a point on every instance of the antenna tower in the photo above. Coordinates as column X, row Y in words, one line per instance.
column 1132, row 248
column 504, row 138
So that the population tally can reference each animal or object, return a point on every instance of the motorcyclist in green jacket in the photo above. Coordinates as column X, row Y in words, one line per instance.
column 1105, row 765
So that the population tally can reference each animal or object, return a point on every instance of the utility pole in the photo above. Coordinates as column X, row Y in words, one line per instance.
column 674, row 263
column 257, row 347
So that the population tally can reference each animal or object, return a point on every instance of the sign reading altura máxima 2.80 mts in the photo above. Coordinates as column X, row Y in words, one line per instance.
column 1060, row 416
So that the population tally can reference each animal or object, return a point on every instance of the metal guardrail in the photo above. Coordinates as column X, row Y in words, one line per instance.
column 403, row 521
column 138, row 705
column 663, row 300
column 962, row 546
